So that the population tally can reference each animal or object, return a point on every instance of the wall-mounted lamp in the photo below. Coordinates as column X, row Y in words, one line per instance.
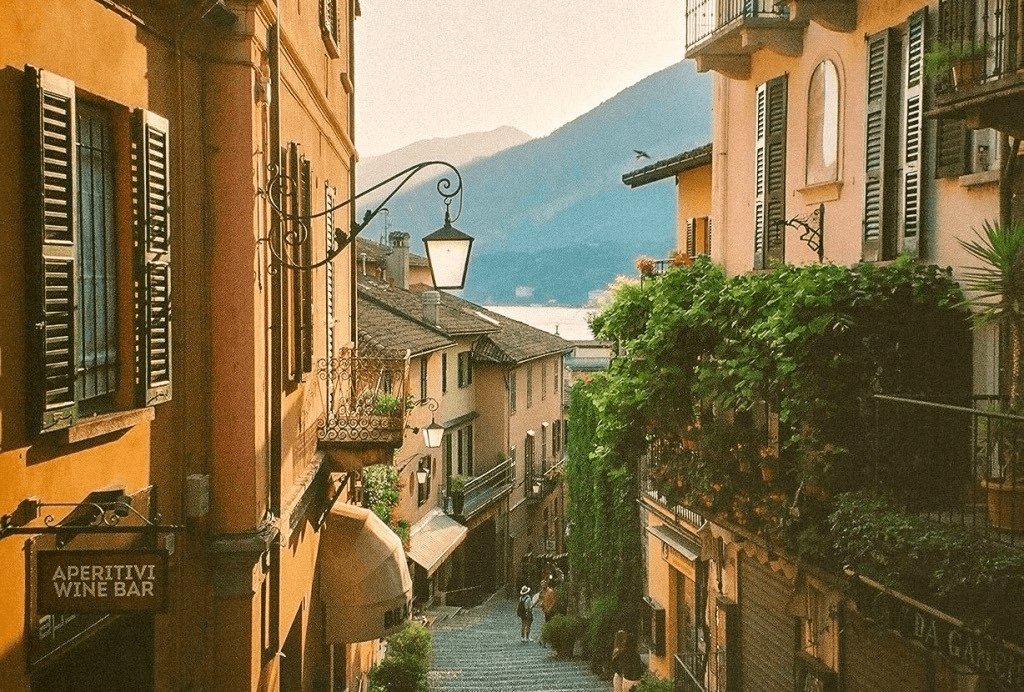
column 433, row 433
column 447, row 248
column 421, row 476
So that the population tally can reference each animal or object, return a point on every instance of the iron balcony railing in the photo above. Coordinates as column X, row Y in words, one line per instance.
column 363, row 397
column 482, row 490
column 696, row 672
column 983, row 38
column 705, row 17
column 957, row 465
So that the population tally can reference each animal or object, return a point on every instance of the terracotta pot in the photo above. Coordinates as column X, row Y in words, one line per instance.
column 968, row 71
column 1005, row 502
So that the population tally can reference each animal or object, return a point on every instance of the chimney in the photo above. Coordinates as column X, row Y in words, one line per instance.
column 431, row 307
column 398, row 260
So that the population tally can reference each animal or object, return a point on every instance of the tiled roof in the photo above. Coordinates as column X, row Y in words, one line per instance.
column 513, row 341
column 391, row 330
column 666, row 168
column 376, row 252
column 408, row 306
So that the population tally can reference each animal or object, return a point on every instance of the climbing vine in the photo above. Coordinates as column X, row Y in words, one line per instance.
column 381, row 493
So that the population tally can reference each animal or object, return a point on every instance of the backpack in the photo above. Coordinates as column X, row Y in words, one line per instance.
column 521, row 610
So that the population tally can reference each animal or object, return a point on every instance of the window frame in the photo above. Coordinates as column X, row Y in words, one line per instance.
column 826, row 110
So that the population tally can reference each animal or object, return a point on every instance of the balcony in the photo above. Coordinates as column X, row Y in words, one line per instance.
column 481, row 491
column 977, row 63
column 721, row 35
column 362, row 392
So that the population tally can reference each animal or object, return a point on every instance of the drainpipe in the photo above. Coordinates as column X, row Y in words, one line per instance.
column 276, row 349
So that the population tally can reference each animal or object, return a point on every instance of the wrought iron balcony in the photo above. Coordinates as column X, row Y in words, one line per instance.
column 721, row 35
column 480, row 491
column 977, row 61
column 364, row 402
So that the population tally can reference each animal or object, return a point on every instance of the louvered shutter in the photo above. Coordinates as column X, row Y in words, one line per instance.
column 690, row 239
column 306, row 275
column 951, row 148
column 775, row 174
column 153, row 306
column 879, row 47
column 913, row 134
column 296, row 231
column 707, row 235
column 52, row 187
column 759, row 174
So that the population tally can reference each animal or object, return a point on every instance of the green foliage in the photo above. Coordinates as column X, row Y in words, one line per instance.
column 381, row 490
column 561, row 632
column 387, row 404
column 457, row 484
column 607, row 616
column 405, row 665
column 652, row 683
column 981, row 583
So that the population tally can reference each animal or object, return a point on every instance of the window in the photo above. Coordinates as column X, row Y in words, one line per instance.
column 770, row 173
column 329, row 26
column 698, row 236
column 74, row 162
column 556, row 439
column 423, row 377
column 512, row 392
column 446, row 445
column 544, row 445
column 469, row 450
column 529, row 386
column 444, row 372
column 528, row 454
column 823, row 124
column 557, row 369
column 544, row 380
column 465, row 368
column 300, row 283
column 894, row 133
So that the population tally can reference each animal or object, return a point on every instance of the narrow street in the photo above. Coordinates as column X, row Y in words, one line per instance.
column 479, row 649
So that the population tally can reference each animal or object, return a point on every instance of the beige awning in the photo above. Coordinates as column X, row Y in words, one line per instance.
column 433, row 539
column 364, row 579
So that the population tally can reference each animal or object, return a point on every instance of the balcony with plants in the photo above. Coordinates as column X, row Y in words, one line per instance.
column 468, row 496
column 828, row 411
column 976, row 62
column 364, row 404
column 721, row 35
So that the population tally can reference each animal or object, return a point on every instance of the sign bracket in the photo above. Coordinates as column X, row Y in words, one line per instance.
column 101, row 514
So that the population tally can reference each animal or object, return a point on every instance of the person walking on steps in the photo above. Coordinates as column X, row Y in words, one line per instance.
column 626, row 663
column 525, row 612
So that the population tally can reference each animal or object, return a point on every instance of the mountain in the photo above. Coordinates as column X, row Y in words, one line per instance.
column 456, row 150
column 551, row 217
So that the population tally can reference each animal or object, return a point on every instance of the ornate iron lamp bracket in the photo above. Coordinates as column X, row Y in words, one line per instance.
column 102, row 516
column 813, row 229
column 286, row 243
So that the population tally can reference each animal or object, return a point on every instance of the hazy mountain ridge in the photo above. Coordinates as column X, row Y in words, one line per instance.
column 552, row 213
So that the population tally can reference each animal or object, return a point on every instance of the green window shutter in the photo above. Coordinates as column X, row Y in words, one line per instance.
column 153, row 306
column 775, row 174
column 295, row 231
column 912, row 189
column 759, row 175
column 875, row 136
column 306, row 275
column 53, row 199
column 951, row 148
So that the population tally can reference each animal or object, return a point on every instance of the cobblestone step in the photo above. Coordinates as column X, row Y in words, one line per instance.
column 478, row 650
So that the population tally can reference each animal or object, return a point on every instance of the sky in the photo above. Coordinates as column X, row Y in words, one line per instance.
column 427, row 68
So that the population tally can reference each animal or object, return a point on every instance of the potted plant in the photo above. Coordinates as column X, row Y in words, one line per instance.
column 962, row 61
column 457, row 492
column 561, row 633
column 998, row 284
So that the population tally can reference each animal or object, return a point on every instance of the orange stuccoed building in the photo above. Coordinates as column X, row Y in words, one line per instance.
column 183, row 414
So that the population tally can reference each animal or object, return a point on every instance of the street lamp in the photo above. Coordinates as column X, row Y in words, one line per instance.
column 433, row 433
column 447, row 248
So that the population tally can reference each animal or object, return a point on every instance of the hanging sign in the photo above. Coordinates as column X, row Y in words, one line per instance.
column 101, row 581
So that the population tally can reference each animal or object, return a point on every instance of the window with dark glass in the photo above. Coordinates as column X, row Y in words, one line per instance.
column 423, row 377
column 444, row 372
column 529, row 386
column 465, row 369
column 512, row 392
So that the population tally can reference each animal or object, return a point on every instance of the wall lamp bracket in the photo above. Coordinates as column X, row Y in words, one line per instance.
column 813, row 229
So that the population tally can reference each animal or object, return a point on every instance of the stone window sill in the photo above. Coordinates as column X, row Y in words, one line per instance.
column 106, row 423
column 821, row 192
column 976, row 179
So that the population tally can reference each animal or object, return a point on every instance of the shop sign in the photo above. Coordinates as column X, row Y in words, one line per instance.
column 101, row 581
column 984, row 655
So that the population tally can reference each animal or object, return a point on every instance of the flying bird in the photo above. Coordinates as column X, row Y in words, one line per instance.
column 641, row 154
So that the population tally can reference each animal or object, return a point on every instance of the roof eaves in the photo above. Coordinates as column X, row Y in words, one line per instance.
column 666, row 168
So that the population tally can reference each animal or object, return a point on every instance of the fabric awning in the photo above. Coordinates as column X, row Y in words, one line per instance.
column 433, row 539
column 364, row 579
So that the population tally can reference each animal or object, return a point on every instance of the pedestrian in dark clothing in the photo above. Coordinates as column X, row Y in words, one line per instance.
column 626, row 663
column 525, row 612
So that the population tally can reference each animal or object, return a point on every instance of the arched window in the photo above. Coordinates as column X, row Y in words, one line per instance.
column 823, row 124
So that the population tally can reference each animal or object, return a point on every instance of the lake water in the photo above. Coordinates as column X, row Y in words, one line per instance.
column 568, row 323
